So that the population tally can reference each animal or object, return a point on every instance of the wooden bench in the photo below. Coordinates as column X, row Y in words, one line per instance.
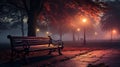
column 22, row 46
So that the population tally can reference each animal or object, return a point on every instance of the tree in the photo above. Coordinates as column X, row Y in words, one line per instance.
column 32, row 8
column 57, row 11
column 10, row 16
column 61, row 10
column 110, row 19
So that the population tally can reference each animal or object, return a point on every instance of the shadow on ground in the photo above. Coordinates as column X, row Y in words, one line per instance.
column 30, row 60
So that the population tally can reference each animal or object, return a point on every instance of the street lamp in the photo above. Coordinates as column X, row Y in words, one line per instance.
column 113, row 32
column 84, row 20
column 95, row 34
column 78, row 29
column 47, row 33
column 37, row 30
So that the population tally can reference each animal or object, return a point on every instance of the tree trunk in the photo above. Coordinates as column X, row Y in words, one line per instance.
column 35, row 8
column 22, row 23
column 22, row 27
column 60, row 32
column 73, row 33
column 31, row 24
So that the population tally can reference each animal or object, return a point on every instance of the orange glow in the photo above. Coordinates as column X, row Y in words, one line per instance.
column 114, row 31
column 78, row 29
column 84, row 20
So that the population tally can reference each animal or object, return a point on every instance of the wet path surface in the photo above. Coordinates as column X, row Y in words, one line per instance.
column 109, row 56
column 72, row 57
column 76, row 58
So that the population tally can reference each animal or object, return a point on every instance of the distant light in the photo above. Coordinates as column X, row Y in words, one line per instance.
column 37, row 30
column 78, row 29
column 47, row 32
column 114, row 31
column 96, row 33
column 25, row 19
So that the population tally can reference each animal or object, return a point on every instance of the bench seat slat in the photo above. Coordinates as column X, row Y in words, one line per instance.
column 38, row 48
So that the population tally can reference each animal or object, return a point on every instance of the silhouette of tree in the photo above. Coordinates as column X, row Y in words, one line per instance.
column 57, row 11
column 110, row 20
column 60, row 11
column 10, row 16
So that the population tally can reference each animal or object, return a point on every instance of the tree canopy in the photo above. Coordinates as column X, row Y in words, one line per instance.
column 64, row 12
column 59, row 13
column 110, row 20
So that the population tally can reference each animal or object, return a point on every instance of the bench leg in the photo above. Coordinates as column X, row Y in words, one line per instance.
column 12, row 55
column 25, row 58
column 59, row 51
column 25, row 54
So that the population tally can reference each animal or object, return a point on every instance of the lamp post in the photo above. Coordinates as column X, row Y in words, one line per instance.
column 112, row 32
column 78, row 29
column 37, row 31
column 95, row 35
column 84, row 30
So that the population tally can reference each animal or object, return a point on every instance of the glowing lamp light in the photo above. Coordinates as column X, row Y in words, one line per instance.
column 84, row 20
column 78, row 29
column 114, row 31
column 47, row 32
column 96, row 33
column 37, row 30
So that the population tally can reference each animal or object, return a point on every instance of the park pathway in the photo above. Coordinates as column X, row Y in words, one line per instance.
column 109, row 57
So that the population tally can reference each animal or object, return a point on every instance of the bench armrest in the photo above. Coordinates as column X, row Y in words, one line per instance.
column 58, row 43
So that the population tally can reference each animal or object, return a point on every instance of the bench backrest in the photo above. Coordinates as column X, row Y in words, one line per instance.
column 20, row 41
